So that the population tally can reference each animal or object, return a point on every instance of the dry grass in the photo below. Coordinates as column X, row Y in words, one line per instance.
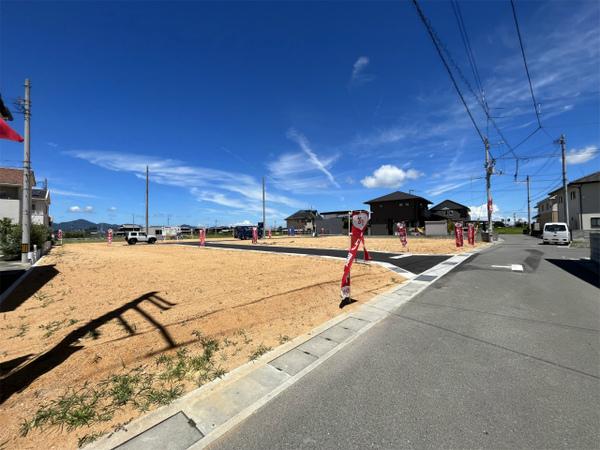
column 100, row 333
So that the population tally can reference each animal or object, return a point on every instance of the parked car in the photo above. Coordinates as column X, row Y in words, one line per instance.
column 133, row 237
column 556, row 233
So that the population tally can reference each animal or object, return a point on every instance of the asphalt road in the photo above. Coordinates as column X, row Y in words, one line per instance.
column 484, row 358
column 415, row 263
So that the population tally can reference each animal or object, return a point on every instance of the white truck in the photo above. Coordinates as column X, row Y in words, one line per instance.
column 133, row 237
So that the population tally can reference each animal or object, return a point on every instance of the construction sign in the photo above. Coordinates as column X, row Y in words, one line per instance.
column 254, row 235
column 471, row 234
column 359, row 221
column 109, row 236
column 458, row 233
column 403, row 234
column 202, row 236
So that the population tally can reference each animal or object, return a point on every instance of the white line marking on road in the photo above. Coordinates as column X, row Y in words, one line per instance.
column 513, row 267
column 404, row 255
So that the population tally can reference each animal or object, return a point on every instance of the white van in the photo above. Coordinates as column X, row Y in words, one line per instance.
column 556, row 233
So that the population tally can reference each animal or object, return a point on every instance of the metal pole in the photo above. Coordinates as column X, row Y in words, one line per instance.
column 263, row 205
column 489, row 169
column 146, row 200
column 528, row 207
column 26, row 203
column 563, row 145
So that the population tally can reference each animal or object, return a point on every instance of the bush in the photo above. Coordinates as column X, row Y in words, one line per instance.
column 10, row 237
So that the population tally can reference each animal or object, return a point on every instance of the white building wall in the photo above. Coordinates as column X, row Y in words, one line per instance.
column 10, row 209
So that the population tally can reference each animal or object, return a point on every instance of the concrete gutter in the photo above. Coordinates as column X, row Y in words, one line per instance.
column 205, row 414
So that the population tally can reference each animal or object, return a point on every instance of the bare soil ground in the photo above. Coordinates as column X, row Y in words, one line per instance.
column 98, row 334
column 390, row 244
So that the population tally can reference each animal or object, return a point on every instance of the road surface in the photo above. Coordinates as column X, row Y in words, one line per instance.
column 487, row 356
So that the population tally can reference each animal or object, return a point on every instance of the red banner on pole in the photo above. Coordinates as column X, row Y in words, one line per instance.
column 359, row 221
column 490, row 206
column 471, row 234
column 401, row 226
column 270, row 233
column 202, row 235
column 109, row 235
column 254, row 235
column 458, row 233
column 60, row 235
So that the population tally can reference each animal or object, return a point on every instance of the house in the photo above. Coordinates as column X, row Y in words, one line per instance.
column 11, row 198
column 583, row 195
column 333, row 222
column 396, row 207
column 450, row 210
column 303, row 220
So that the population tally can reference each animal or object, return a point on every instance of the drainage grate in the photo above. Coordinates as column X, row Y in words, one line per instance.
column 425, row 278
column 176, row 432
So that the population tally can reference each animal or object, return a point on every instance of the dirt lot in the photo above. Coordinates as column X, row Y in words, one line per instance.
column 99, row 334
column 376, row 243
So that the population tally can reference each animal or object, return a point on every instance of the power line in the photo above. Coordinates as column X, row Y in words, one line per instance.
column 432, row 35
column 467, row 44
column 535, row 104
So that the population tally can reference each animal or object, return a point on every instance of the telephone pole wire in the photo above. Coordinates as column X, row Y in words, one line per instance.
column 26, row 218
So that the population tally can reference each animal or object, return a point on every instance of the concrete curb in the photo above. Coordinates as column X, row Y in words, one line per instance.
column 215, row 408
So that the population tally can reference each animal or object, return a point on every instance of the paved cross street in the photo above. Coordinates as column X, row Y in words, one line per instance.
column 485, row 357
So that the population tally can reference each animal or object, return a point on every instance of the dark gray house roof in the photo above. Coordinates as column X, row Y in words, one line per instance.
column 591, row 178
column 448, row 204
column 304, row 214
column 395, row 196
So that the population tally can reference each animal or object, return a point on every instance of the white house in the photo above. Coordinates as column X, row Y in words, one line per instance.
column 11, row 197
column 584, row 204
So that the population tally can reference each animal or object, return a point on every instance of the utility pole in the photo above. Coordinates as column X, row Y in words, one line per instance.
column 26, row 204
column 489, row 170
column 563, row 145
column 528, row 207
column 146, row 200
column 263, row 199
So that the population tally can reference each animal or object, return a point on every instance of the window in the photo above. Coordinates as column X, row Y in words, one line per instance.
column 9, row 193
column 595, row 222
column 573, row 195
column 554, row 228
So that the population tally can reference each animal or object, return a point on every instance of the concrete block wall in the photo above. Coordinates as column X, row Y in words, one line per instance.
column 595, row 247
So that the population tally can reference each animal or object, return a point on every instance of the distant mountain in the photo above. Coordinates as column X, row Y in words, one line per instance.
column 83, row 225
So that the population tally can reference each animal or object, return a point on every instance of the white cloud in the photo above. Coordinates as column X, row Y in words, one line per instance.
column 582, row 155
column 480, row 212
column 446, row 187
column 293, row 163
column 389, row 176
column 358, row 71
column 78, row 209
column 112, row 209
column 71, row 193
column 204, row 183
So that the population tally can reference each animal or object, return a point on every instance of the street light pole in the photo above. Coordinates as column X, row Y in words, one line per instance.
column 26, row 203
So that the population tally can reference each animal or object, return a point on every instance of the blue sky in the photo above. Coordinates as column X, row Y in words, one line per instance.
column 334, row 103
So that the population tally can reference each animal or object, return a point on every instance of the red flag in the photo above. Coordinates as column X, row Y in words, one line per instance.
column 402, row 233
column 7, row 132
column 359, row 224
column 458, row 233
column 471, row 234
